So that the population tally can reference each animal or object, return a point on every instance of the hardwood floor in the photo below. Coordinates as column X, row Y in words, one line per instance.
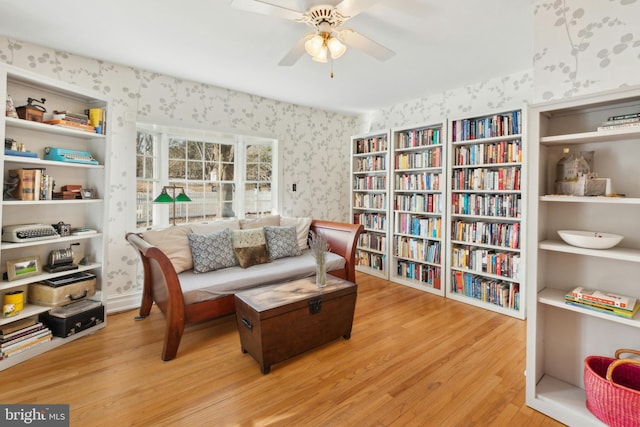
column 413, row 359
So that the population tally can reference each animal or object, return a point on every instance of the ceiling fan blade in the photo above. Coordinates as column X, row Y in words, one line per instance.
column 295, row 53
column 267, row 8
column 368, row 46
column 350, row 8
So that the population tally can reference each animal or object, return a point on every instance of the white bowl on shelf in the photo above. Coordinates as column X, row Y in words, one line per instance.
column 590, row 239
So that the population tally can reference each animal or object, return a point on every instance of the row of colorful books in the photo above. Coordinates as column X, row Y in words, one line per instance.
column 21, row 335
column 604, row 302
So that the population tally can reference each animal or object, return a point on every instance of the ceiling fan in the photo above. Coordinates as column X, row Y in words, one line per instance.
column 329, row 40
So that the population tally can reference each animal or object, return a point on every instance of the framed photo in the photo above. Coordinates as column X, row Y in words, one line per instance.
column 88, row 193
column 23, row 267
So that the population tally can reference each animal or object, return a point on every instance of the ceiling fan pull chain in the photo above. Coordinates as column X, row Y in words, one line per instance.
column 331, row 61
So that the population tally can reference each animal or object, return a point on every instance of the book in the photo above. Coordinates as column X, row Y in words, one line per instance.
column 17, row 340
column 624, row 116
column 82, row 231
column 70, row 124
column 16, row 326
column 25, row 330
column 24, row 181
column 607, row 298
column 619, row 126
column 602, row 308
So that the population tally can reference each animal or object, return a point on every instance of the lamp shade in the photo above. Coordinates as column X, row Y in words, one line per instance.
column 182, row 197
column 314, row 45
column 336, row 47
column 164, row 197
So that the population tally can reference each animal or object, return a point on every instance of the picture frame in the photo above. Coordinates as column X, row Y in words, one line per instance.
column 23, row 267
column 88, row 193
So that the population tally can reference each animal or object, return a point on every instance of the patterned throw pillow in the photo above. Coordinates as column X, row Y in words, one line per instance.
column 281, row 242
column 211, row 251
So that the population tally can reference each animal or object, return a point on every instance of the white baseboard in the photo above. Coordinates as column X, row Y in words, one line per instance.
column 118, row 303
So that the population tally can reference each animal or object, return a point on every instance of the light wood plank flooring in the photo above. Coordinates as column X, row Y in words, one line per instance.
column 414, row 359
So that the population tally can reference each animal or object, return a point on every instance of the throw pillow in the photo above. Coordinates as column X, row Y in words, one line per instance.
column 259, row 222
column 174, row 243
column 252, row 255
column 250, row 247
column 211, row 251
column 281, row 242
column 246, row 238
column 302, row 226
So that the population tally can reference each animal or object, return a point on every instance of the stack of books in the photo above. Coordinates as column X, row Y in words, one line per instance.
column 604, row 302
column 21, row 335
column 70, row 120
column 622, row 121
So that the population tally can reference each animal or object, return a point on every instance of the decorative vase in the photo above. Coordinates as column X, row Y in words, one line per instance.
column 321, row 270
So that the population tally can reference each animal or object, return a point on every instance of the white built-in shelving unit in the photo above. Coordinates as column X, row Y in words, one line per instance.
column 561, row 336
column 78, row 213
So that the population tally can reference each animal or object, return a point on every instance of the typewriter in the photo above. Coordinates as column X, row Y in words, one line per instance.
column 68, row 155
column 28, row 233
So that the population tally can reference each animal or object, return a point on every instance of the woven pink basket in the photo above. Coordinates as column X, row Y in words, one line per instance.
column 612, row 386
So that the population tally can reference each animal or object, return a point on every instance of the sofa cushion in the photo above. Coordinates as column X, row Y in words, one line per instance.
column 217, row 225
column 174, row 243
column 302, row 226
column 250, row 246
column 211, row 251
column 281, row 242
column 259, row 222
column 231, row 280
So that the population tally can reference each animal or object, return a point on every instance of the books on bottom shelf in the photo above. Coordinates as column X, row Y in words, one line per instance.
column 24, row 338
column 603, row 302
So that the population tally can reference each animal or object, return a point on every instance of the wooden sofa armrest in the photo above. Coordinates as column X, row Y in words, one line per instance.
column 343, row 239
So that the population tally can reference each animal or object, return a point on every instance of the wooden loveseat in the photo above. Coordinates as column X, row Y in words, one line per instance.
column 185, row 297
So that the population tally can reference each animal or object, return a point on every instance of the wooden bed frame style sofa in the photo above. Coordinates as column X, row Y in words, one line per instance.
column 186, row 297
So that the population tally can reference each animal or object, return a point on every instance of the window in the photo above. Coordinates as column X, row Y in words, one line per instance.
column 223, row 175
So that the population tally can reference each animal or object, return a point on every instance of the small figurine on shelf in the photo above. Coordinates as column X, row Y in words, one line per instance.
column 11, row 109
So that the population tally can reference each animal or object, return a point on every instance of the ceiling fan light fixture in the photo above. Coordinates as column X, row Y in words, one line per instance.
column 321, row 56
column 336, row 47
column 315, row 45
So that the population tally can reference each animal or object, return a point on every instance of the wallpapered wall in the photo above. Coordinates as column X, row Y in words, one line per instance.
column 585, row 46
column 580, row 46
column 306, row 136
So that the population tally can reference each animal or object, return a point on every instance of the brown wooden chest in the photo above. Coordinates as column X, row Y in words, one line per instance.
column 280, row 321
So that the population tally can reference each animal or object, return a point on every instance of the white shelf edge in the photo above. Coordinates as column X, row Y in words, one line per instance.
column 373, row 230
column 416, row 284
column 594, row 199
column 4, row 285
column 594, row 136
column 436, row 239
column 371, row 271
column 374, row 251
column 46, row 128
column 555, row 297
column 487, row 140
column 487, row 165
column 623, row 254
column 28, row 311
column 486, row 217
column 9, row 246
column 484, row 245
column 417, row 261
column 42, row 162
column 487, row 275
column 49, row 202
column 417, row 148
column 372, row 153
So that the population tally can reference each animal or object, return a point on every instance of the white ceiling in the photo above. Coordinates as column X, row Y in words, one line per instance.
column 439, row 45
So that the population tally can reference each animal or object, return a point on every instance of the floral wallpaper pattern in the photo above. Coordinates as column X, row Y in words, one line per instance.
column 580, row 46
column 583, row 47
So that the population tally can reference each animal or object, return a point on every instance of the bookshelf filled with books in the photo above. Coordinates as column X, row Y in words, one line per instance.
column 54, row 175
column 485, row 201
column 418, row 207
column 370, row 200
column 583, row 158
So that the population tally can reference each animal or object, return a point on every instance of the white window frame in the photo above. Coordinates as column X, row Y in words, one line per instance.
column 161, row 215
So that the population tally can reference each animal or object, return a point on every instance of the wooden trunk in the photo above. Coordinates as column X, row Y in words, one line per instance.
column 280, row 321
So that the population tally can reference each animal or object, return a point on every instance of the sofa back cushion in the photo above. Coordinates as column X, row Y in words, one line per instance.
column 246, row 224
column 302, row 225
column 174, row 243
